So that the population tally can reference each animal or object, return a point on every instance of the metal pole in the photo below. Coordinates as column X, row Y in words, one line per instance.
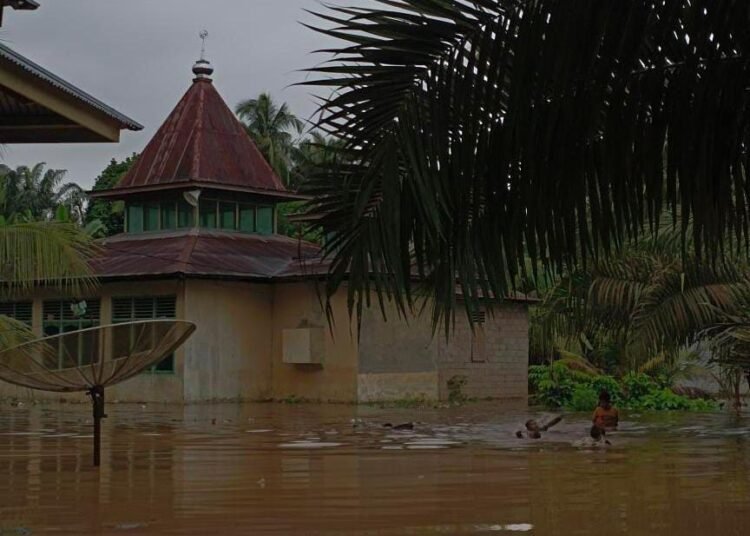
column 97, row 401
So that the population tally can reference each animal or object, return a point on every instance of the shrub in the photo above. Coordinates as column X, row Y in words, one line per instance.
column 611, row 385
column 553, row 385
column 456, row 386
column 637, row 385
column 584, row 398
column 557, row 386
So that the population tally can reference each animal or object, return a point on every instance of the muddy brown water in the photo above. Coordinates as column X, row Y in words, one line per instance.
column 305, row 469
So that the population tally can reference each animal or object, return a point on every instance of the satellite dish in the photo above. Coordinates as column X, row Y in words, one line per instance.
column 89, row 360
column 192, row 197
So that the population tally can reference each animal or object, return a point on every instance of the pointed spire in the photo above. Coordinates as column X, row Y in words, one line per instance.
column 202, row 68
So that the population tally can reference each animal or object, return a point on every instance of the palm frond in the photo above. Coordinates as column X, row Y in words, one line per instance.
column 486, row 131
column 45, row 253
column 577, row 363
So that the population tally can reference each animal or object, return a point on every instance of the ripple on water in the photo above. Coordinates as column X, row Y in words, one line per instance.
column 516, row 527
column 287, row 473
column 309, row 445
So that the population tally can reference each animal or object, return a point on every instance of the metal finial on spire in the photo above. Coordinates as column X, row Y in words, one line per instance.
column 203, row 35
column 202, row 68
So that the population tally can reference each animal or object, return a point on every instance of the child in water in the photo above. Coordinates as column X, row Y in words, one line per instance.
column 605, row 415
column 596, row 439
column 534, row 429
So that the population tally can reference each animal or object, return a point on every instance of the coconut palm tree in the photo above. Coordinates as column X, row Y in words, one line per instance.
column 273, row 128
column 34, row 193
column 487, row 132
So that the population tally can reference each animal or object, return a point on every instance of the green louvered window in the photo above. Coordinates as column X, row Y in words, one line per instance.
column 130, row 309
column 184, row 215
column 247, row 218
column 135, row 218
column 228, row 216
column 65, row 316
column 264, row 220
column 168, row 216
column 208, row 214
column 20, row 310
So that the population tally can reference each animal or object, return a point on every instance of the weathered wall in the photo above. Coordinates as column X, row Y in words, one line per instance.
column 397, row 357
column 142, row 388
column 297, row 305
column 236, row 352
column 499, row 366
column 227, row 358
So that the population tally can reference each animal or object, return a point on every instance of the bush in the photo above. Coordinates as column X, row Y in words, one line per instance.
column 557, row 386
column 608, row 383
column 637, row 385
column 456, row 386
column 584, row 398
column 553, row 385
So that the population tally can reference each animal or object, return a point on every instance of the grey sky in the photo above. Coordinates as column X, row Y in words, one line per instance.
column 136, row 56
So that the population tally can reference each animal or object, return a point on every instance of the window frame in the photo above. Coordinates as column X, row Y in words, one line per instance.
column 133, row 317
column 151, row 216
column 62, row 323
column 207, row 204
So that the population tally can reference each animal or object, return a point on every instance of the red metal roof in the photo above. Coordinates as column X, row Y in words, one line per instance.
column 208, row 253
column 201, row 142
column 218, row 254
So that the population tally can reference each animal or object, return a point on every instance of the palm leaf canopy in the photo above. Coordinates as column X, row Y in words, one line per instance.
column 45, row 253
column 482, row 132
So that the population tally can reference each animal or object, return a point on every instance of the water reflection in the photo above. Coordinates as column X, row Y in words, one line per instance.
column 336, row 470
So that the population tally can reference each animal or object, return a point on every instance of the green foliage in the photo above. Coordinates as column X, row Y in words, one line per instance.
column 584, row 398
column 111, row 214
column 486, row 133
column 273, row 128
column 556, row 386
column 296, row 230
column 637, row 385
column 34, row 194
column 39, row 253
column 665, row 399
column 456, row 386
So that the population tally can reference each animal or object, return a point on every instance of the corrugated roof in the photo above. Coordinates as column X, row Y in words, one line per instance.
column 199, row 252
column 57, row 82
column 219, row 254
column 202, row 142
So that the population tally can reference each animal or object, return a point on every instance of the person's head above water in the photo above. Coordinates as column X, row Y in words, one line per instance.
column 605, row 400
column 597, row 433
column 532, row 425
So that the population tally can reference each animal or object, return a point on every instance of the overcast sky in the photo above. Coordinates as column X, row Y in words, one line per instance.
column 136, row 56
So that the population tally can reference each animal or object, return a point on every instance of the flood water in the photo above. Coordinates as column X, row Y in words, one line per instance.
column 306, row 469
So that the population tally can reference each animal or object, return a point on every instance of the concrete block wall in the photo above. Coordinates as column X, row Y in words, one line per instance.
column 502, row 370
column 399, row 360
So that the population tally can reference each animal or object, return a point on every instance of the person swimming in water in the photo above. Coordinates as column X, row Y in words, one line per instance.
column 597, row 438
column 605, row 415
column 534, row 429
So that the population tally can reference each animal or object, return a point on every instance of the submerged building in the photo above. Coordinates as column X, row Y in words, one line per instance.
column 201, row 244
